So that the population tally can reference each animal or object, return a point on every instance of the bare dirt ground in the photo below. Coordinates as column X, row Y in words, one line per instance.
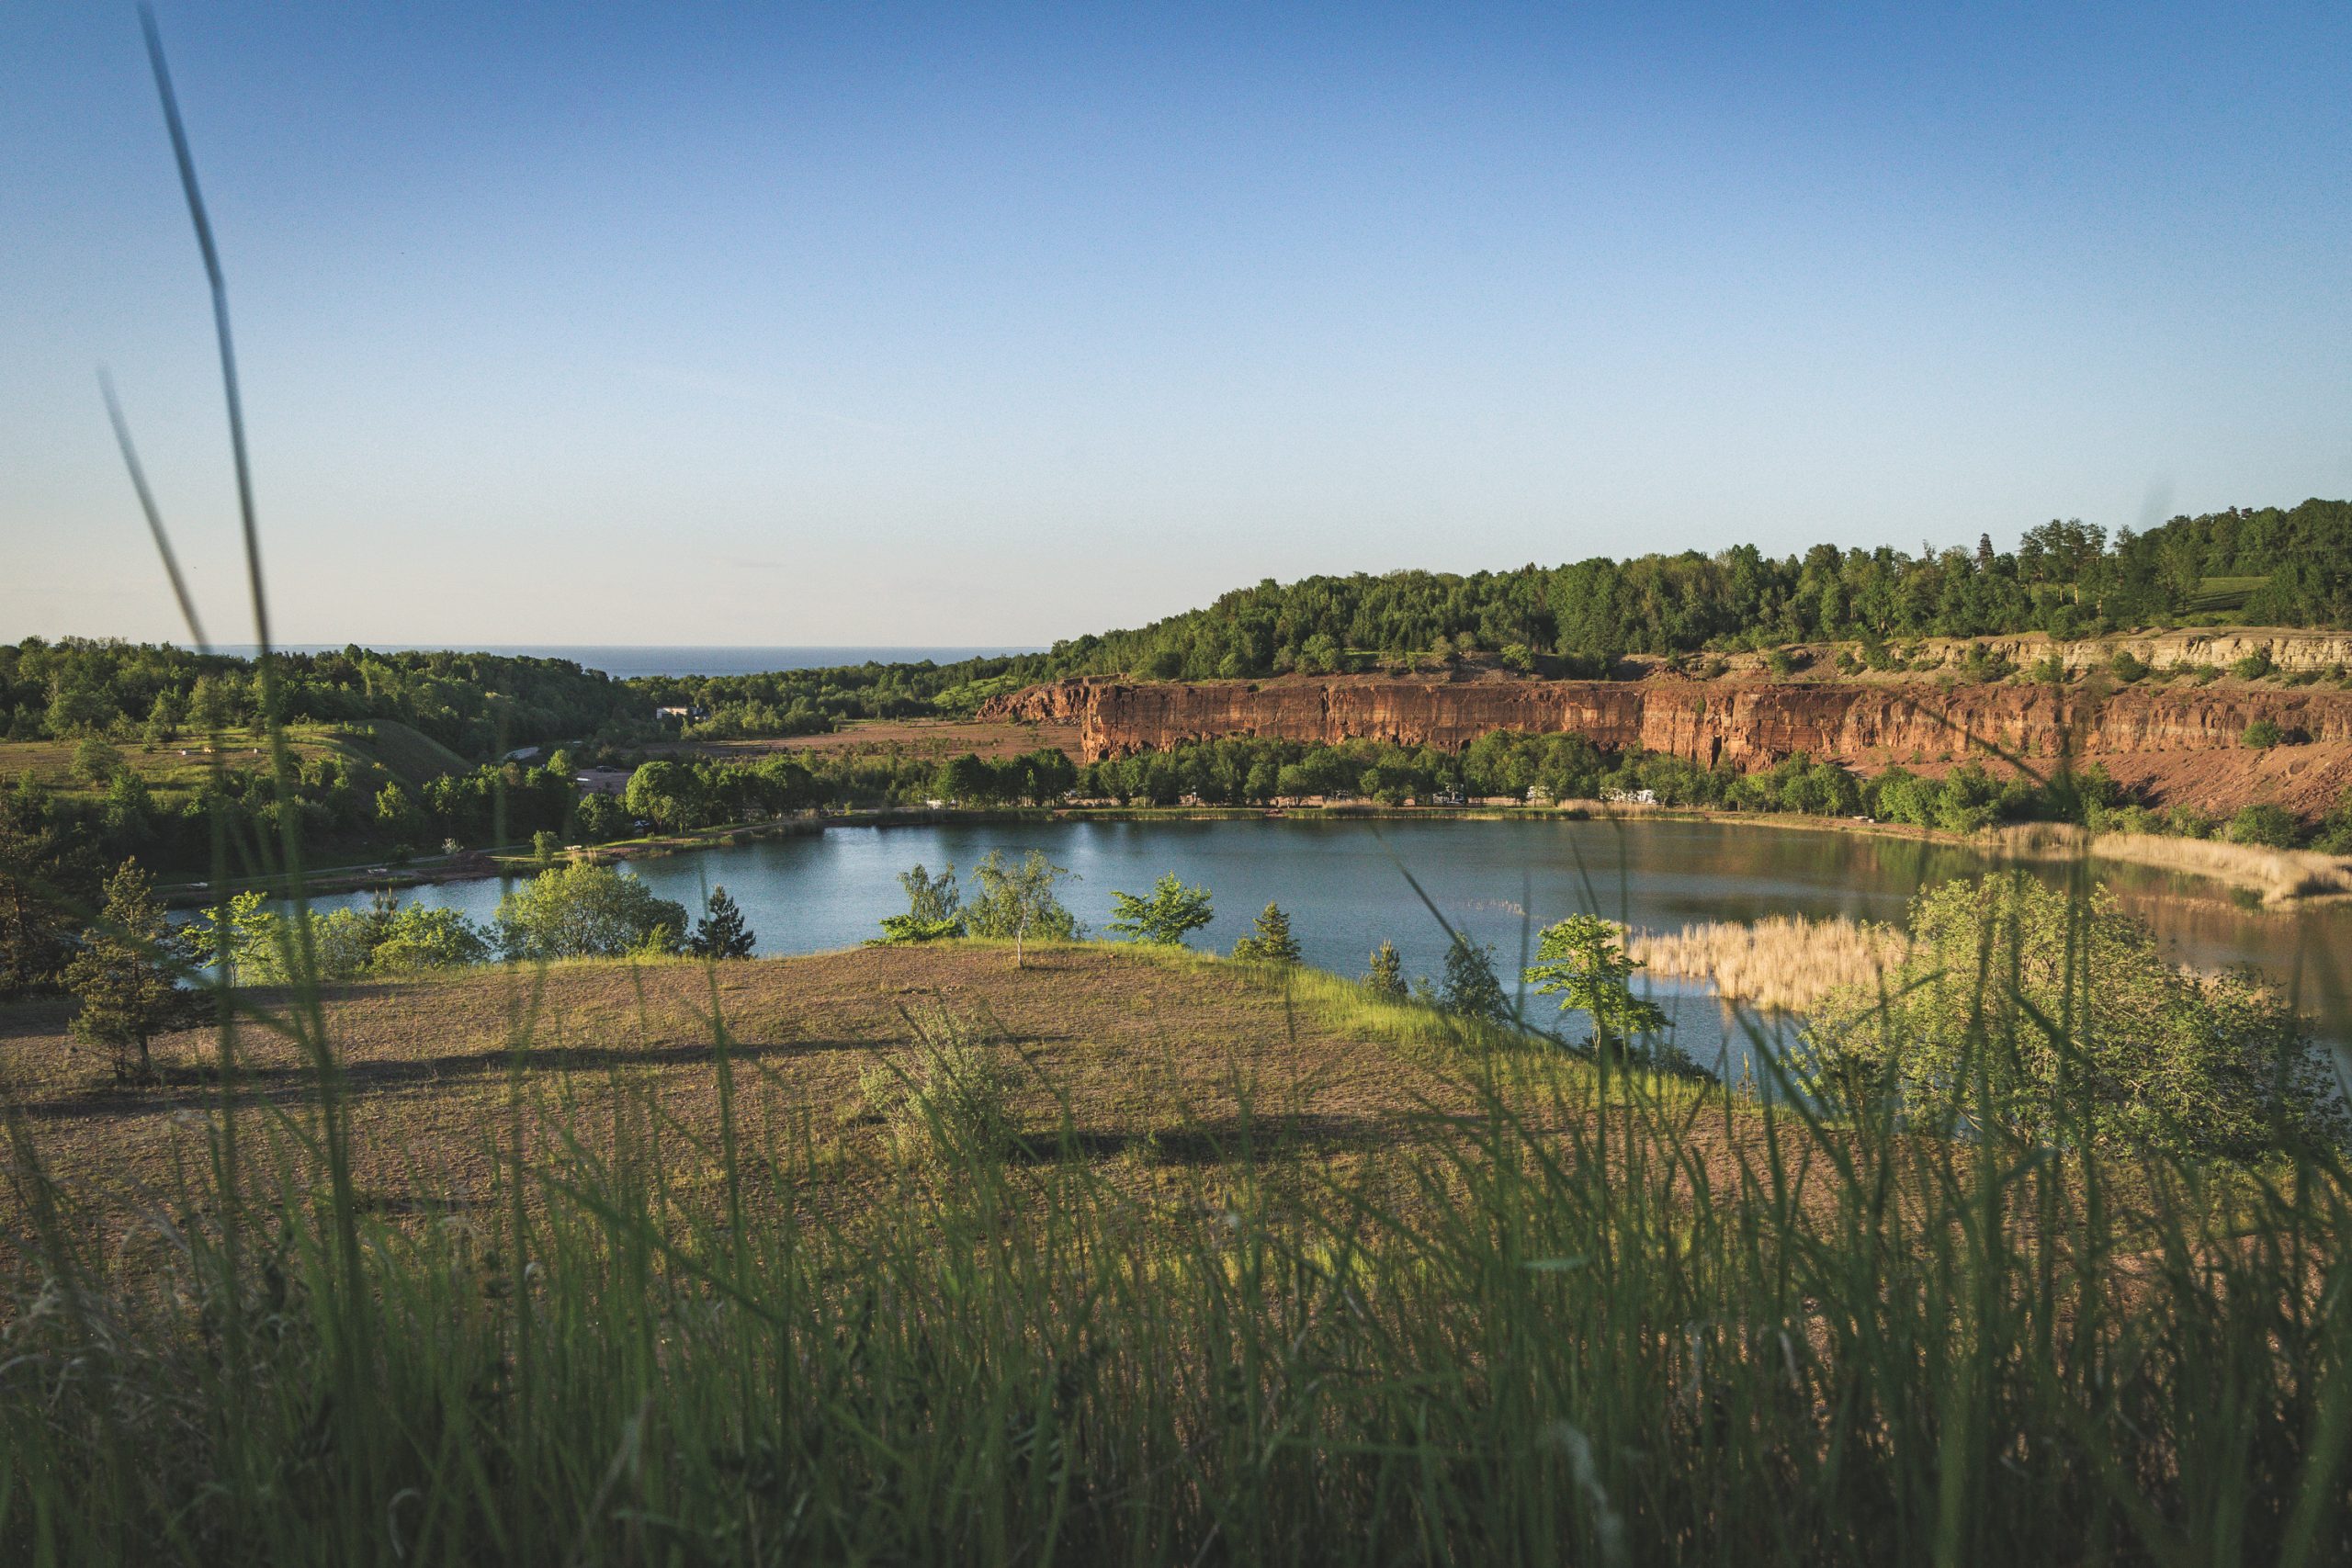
column 1151, row 1064
column 2307, row 780
column 1184, row 1082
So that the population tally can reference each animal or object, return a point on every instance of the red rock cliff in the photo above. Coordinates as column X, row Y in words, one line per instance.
column 1750, row 725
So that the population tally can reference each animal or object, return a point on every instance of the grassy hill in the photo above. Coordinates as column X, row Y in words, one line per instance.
column 2223, row 596
column 408, row 754
column 178, row 768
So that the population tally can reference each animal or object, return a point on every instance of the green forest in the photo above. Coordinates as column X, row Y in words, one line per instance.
column 2266, row 567
column 477, row 704
column 2260, row 567
column 119, row 749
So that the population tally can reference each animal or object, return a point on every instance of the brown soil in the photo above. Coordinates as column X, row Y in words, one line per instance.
column 1124, row 1046
column 2307, row 780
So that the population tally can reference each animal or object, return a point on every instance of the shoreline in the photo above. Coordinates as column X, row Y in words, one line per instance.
column 2282, row 879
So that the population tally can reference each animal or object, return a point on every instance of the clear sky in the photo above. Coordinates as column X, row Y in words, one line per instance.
column 995, row 324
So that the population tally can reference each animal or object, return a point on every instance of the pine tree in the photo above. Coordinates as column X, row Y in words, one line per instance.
column 35, row 939
column 127, row 994
column 721, row 934
column 1471, row 989
column 1271, row 942
column 1385, row 978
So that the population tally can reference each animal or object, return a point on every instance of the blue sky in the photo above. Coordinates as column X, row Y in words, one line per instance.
column 884, row 324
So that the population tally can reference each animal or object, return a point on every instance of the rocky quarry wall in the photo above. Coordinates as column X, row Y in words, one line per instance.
column 1748, row 724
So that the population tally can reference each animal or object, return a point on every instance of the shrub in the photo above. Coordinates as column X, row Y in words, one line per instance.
column 1385, row 978
column 901, row 929
column 2049, row 670
column 587, row 911
column 2126, row 666
column 955, row 1108
column 2335, row 835
column 2265, row 825
column 2254, row 666
column 935, row 908
column 2189, row 822
column 417, row 938
column 1968, row 801
column 1981, row 663
column 2262, row 734
column 1163, row 917
column 94, row 761
column 2069, row 1028
column 2130, row 817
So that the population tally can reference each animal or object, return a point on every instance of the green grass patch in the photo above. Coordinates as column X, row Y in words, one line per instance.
column 407, row 753
column 173, row 768
column 2223, row 596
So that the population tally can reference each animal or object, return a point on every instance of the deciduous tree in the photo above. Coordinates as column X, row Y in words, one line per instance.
column 1164, row 916
column 1582, row 960
column 587, row 911
column 1019, row 901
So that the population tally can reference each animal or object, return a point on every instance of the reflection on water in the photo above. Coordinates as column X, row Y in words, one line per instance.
column 1343, row 883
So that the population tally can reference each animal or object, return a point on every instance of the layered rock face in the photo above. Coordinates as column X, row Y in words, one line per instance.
column 1749, row 725
column 2221, row 647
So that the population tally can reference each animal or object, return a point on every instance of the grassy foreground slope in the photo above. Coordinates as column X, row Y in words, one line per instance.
column 1238, row 1267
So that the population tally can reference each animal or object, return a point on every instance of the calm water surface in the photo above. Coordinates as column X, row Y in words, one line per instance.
column 1344, row 884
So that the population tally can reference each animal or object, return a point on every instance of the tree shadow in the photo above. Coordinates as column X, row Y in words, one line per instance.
column 1205, row 1144
column 183, row 1086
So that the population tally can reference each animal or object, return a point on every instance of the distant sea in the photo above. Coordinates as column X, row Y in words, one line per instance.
column 621, row 662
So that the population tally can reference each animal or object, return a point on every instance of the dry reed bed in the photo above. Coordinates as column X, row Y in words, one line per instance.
column 1786, row 963
column 2279, row 875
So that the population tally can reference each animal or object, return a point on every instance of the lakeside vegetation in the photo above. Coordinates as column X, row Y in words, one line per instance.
column 57, row 842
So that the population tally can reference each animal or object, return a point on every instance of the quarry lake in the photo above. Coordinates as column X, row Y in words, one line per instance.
column 1343, row 882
